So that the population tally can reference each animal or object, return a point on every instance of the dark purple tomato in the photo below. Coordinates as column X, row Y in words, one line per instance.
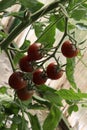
column 16, row 80
column 53, row 71
column 69, row 50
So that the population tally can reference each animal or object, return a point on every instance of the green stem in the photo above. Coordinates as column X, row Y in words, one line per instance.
column 17, row 49
column 11, row 60
column 71, row 38
column 22, row 111
column 18, row 29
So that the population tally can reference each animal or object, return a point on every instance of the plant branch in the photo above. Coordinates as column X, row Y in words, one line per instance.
column 25, row 23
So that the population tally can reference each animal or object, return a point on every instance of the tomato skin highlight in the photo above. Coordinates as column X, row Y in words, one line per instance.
column 25, row 64
column 69, row 50
column 53, row 71
column 16, row 80
column 24, row 94
column 34, row 51
column 39, row 77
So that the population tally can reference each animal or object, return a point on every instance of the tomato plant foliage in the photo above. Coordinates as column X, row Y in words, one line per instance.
column 33, row 60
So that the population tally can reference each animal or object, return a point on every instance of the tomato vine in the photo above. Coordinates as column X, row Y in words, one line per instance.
column 32, row 65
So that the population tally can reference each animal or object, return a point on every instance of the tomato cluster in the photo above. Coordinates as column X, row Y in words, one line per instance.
column 30, row 72
column 19, row 81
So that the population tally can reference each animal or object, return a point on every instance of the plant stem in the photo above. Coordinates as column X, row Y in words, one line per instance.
column 18, row 29
column 22, row 111
column 11, row 60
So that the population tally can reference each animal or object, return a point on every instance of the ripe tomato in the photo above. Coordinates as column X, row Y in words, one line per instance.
column 53, row 71
column 69, row 50
column 34, row 51
column 16, row 81
column 25, row 64
column 24, row 94
column 39, row 77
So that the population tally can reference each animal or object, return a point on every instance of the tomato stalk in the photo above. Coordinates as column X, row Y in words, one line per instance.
column 17, row 49
column 71, row 38
column 57, row 47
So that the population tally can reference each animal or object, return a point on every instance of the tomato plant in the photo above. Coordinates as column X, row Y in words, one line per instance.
column 55, row 27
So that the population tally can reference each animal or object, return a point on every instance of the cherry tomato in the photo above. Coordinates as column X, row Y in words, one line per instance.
column 53, row 71
column 39, row 77
column 25, row 64
column 34, row 51
column 16, row 81
column 69, row 50
column 24, row 94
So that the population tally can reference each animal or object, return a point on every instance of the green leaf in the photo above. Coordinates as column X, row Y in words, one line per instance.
column 72, row 108
column 4, row 99
column 48, row 36
column 11, row 108
column 53, row 98
column 50, row 95
column 3, row 90
column 4, row 4
column 70, row 66
column 81, row 26
column 2, row 117
column 17, row 119
column 25, row 45
column 45, row 88
column 73, row 3
column 52, row 119
column 85, row 4
column 14, row 126
column 82, row 42
column 2, row 35
column 41, row 101
column 32, row 5
column 71, row 26
column 18, row 15
column 36, row 106
column 23, row 125
column 38, row 28
column 71, row 95
column 60, row 24
column 34, row 122
column 78, row 14
column 17, row 57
